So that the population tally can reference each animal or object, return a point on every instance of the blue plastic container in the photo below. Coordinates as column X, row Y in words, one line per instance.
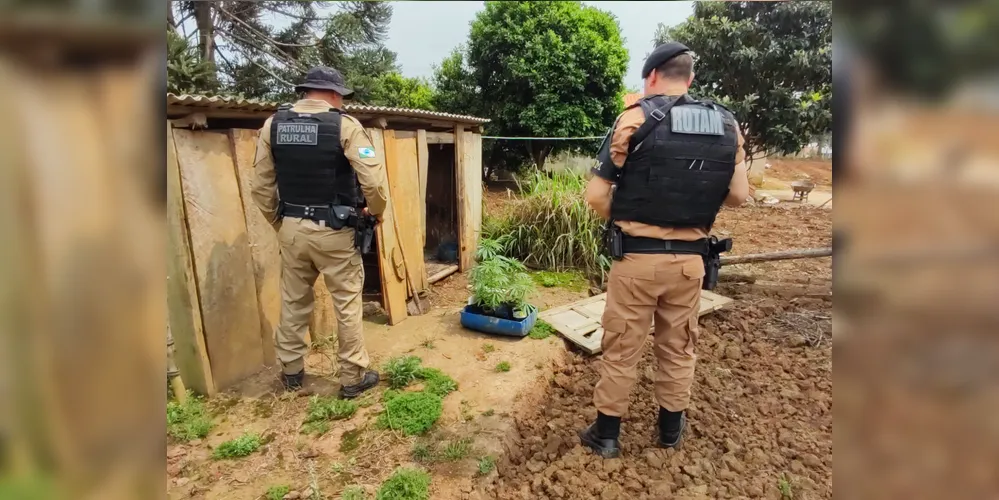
column 499, row 326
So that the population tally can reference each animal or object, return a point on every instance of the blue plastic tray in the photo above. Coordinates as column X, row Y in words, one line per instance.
column 499, row 326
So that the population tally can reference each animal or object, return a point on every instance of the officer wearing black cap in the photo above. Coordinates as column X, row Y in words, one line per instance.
column 670, row 161
column 310, row 158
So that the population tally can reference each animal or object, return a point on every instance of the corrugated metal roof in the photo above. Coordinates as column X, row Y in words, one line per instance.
column 229, row 103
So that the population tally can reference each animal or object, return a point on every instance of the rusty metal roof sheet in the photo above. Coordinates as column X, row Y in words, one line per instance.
column 230, row 103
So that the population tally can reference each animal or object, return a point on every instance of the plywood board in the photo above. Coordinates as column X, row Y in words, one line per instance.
column 403, row 170
column 423, row 158
column 579, row 322
column 223, row 263
column 263, row 240
column 183, row 308
column 468, row 173
column 389, row 256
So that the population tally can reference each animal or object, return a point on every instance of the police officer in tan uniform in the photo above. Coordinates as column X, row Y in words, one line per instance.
column 310, row 159
column 669, row 164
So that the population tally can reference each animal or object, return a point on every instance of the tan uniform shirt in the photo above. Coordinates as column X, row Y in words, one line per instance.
column 353, row 137
column 627, row 124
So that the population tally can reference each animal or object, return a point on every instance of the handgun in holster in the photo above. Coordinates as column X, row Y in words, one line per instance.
column 712, row 260
column 364, row 230
column 614, row 240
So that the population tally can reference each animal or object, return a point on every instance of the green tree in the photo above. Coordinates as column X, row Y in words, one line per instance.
column 543, row 69
column 393, row 89
column 768, row 62
column 186, row 72
column 260, row 49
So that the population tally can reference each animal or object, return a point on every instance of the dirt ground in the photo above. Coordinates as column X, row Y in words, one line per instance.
column 785, row 170
column 760, row 421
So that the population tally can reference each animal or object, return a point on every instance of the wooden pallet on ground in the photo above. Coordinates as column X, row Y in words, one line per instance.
column 579, row 322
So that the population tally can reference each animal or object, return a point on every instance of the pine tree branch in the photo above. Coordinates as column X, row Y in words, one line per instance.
column 283, row 58
column 255, row 63
column 262, row 35
column 289, row 14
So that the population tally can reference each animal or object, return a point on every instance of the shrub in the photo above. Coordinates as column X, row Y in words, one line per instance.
column 504, row 366
column 486, row 465
column 405, row 484
column 189, row 420
column 239, row 447
column 412, row 412
column 552, row 227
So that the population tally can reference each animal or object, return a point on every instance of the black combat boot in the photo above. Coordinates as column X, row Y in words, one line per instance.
column 602, row 435
column 671, row 427
column 369, row 380
column 293, row 382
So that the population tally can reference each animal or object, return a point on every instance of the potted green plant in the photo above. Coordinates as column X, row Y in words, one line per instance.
column 500, row 288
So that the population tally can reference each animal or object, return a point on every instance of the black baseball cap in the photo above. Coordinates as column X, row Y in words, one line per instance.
column 661, row 54
column 324, row 78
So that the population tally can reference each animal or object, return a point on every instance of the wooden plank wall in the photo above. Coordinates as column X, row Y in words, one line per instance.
column 223, row 263
column 183, row 308
column 403, row 170
column 423, row 159
column 263, row 243
column 390, row 262
column 468, row 170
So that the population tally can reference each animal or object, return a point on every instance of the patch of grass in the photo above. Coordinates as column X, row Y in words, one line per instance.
column 488, row 348
column 239, row 447
column 405, row 484
column 189, row 420
column 317, row 428
column 329, row 408
column 503, row 366
column 437, row 382
column 353, row 493
column 390, row 394
column 350, row 440
column 429, row 344
column 552, row 227
column 569, row 280
column 411, row 412
column 488, row 413
column 277, row 492
column 423, row 452
column 401, row 371
column 541, row 330
column 457, row 450
column 784, row 485
column 486, row 465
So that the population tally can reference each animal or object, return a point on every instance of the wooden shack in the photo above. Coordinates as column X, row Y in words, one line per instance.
column 224, row 270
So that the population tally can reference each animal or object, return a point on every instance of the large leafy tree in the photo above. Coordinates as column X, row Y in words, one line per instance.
column 393, row 89
column 543, row 69
column 259, row 49
column 769, row 62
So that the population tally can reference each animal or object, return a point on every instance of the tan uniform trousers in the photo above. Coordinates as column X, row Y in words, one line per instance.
column 308, row 249
column 642, row 288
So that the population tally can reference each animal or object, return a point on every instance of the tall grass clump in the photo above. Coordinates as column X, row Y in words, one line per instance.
column 552, row 227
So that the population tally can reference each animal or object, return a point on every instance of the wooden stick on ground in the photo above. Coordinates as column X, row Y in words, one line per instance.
column 770, row 256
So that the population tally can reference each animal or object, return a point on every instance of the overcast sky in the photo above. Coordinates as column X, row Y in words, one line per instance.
column 424, row 33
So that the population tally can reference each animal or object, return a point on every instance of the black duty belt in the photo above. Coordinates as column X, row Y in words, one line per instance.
column 633, row 244
column 335, row 216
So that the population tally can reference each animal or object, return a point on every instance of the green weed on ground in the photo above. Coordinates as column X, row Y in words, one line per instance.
column 504, row 366
column 446, row 451
column 411, row 412
column 329, row 408
column 488, row 348
column 350, row 440
column 405, row 484
column 401, row 371
column 784, row 485
column 277, row 492
column 570, row 280
column 486, row 465
column 315, row 428
column 541, row 330
column 236, row 448
column 437, row 382
column 189, row 420
column 353, row 493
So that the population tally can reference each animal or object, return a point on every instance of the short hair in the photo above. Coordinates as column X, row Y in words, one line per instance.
column 677, row 68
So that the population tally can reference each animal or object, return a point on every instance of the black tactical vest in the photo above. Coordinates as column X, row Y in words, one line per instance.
column 309, row 161
column 678, row 176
